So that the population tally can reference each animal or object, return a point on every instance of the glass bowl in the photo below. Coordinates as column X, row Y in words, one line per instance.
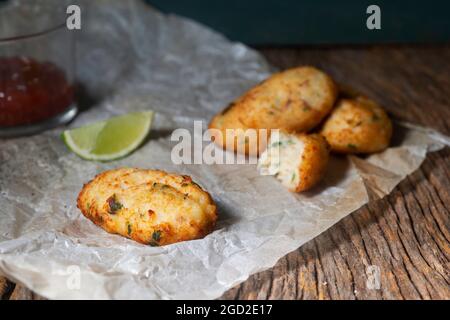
column 37, row 65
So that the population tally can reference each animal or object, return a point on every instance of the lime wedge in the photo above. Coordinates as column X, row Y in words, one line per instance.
column 110, row 139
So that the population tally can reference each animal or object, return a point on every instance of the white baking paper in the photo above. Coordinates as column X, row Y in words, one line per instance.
column 131, row 57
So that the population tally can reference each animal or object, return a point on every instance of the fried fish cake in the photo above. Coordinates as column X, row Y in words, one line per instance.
column 228, row 131
column 293, row 100
column 149, row 206
column 298, row 160
column 357, row 125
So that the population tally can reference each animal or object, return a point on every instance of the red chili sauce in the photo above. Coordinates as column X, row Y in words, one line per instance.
column 31, row 91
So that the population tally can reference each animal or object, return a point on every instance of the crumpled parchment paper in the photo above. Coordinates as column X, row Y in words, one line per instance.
column 130, row 57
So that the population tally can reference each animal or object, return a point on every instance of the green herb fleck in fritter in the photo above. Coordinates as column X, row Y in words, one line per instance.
column 113, row 204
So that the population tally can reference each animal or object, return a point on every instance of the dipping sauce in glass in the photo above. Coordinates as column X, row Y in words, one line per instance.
column 31, row 91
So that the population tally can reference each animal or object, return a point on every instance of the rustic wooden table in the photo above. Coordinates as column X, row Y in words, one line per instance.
column 406, row 234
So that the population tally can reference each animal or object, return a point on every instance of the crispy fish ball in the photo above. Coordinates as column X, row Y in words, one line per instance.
column 299, row 161
column 149, row 206
column 357, row 125
column 293, row 100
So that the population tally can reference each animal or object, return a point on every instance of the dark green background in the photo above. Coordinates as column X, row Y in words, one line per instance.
column 292, row 22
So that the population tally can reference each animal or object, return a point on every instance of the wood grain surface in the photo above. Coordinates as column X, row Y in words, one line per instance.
column 406, row 235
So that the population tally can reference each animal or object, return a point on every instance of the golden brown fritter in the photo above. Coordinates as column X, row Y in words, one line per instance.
column 357, row 125
column 298, row 160
column 293, row 100
column 231, row 134
column 149, row 206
